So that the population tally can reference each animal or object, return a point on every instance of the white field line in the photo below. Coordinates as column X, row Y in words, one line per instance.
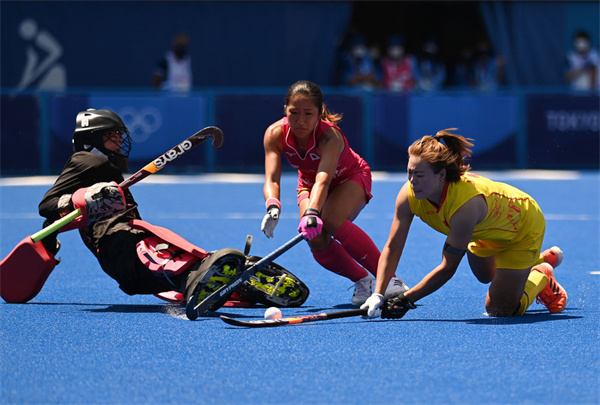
column 259, row 178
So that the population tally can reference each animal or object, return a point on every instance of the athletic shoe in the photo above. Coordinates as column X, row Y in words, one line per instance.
column 395, row 288
column 553, row 256
column 362, row 290
column 553, row 296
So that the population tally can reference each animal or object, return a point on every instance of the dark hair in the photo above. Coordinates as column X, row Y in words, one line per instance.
column 450, row 156
column 312, row 92
column 582, row 34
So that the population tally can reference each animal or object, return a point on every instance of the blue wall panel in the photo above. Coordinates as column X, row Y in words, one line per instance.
column 490, row 120
column 19, row 135
column 563, row 131
column 118, row 43
column 157, row 124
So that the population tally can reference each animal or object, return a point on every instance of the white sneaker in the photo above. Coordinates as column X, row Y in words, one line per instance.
column 395, row 287
column 362, row 290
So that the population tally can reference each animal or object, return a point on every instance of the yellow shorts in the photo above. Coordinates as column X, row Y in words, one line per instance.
column 521, row 253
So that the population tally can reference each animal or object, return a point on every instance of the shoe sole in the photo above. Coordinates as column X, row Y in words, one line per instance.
column 279, row 290
column 216, row 280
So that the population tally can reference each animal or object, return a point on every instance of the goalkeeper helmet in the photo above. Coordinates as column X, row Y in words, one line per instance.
column 92, row 125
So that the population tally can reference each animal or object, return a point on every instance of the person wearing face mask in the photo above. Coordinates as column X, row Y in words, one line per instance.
column 359, row 67
column 398, row 66
column 431, row 70
column 173, row 72
column 582, row 64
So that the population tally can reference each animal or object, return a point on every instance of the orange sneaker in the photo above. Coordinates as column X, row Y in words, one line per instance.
column 553, row 256
column 553, row 296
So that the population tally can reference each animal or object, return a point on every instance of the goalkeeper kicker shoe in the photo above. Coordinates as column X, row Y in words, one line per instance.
column 553, row 296
column 273, row 286
column 553, row 256
column 395, row 288
column 362, row 290
column 215, row 271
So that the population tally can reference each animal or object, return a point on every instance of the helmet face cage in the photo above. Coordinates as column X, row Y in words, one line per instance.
column 92, row 125
column 125, row 146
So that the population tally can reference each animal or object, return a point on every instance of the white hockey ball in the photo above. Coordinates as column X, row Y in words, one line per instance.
column 273, row 313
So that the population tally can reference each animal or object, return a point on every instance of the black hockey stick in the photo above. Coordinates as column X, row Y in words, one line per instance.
column 163, row 160
column 266, row 323
column 215, row 300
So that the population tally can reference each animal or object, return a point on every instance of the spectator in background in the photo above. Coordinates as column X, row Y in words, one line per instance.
column 359, row 70
column 375, row 54
column 431, row 71
column 398, row 66
column 488, row 68
column 464, row 76
column 174, row 71
column 582, row 63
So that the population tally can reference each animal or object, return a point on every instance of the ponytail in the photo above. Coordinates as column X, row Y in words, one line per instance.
column 445, row 150
column 329, row 116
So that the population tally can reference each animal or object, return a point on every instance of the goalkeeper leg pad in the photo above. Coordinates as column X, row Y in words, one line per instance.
column 25, row 270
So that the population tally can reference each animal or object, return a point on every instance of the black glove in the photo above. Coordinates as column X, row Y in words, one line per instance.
column 395, row 308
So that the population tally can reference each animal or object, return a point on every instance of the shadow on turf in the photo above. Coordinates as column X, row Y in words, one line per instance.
column 171, row 309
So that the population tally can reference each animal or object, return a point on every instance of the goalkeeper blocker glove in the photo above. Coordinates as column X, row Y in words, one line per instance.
column 100, row 201
column 271, row 218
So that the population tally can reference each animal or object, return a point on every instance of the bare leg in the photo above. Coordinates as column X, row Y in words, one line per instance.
column 483, row 268
column 505, row 292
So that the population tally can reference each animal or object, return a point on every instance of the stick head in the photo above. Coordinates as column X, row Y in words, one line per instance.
column 216, row 134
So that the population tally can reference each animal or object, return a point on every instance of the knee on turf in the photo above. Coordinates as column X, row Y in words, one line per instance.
column 500, row 310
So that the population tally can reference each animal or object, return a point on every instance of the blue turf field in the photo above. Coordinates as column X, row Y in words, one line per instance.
column 83, row 341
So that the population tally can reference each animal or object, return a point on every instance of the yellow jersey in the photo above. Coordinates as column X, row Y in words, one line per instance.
column 513, row 221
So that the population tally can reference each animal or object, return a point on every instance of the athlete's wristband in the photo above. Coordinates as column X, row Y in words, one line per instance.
column 312, row 211
column 273, row 202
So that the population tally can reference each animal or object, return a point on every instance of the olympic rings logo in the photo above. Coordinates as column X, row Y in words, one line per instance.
column 142, row 123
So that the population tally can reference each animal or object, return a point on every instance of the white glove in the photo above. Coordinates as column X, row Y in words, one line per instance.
column 373, row 303
column 271, row 218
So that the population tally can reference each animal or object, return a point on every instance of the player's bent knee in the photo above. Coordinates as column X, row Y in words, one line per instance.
column 320, row 242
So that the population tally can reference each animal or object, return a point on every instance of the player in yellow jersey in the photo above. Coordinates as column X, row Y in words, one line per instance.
column 499, row 227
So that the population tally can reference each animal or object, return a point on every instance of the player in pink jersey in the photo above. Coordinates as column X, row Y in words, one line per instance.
column 499, row 227
column 334, row 185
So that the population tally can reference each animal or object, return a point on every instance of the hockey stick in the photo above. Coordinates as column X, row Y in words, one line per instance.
column 266, row 323
column 25, row 270
column 215, row 300
column 157, row 164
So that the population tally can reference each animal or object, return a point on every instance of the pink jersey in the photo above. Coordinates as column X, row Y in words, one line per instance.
column 350, row 165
